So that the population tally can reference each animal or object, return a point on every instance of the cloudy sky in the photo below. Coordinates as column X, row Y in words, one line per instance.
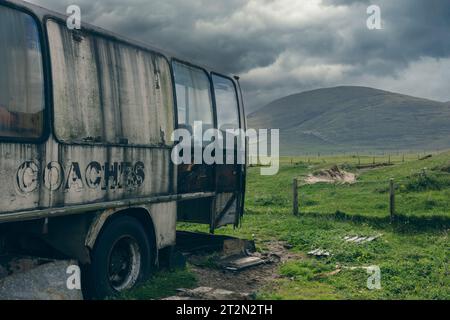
column 281, row 47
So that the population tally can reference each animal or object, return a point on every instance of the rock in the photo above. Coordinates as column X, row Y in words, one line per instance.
column 178, row 298
column 45, row 282
column 206, row 293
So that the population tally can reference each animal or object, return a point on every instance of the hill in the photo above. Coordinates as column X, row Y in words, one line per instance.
column 346, row 119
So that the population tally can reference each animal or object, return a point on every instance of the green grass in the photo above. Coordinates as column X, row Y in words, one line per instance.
column 413, row 253
column 417, row 194
column 163, row 284
column 414, row 263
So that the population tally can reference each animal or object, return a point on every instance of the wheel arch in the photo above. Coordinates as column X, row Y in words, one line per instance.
column 142, row 214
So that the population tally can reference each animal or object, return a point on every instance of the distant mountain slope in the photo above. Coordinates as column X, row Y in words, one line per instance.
column 355, row 119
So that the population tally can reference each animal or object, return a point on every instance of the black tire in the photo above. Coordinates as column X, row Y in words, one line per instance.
column 122, row 258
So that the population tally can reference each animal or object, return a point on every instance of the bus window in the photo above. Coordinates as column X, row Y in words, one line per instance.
column 21, row 76
column 109, row 92
column 226, row 103
column 193, row 96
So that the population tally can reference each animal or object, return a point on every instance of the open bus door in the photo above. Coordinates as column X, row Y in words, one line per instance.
column 230, row 184
column 196, row 99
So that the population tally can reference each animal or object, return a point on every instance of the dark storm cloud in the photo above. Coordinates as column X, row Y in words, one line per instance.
column 287, row 46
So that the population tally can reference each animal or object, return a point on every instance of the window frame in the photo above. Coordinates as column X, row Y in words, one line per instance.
column 115, row 39
column 238, row 103
column 211, row 90
column 46, row 80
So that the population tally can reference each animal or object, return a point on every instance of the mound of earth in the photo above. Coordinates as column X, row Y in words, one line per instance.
column 332, row 175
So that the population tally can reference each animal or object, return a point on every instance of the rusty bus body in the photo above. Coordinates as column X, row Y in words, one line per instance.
column 86, row 119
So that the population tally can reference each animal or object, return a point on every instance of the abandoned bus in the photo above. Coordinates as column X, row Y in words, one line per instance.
column 86, row 119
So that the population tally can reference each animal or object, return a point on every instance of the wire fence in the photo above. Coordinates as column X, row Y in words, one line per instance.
column 421, row 196
column 355, row 159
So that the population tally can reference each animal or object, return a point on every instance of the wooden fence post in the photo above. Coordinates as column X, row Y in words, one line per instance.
column 392, row 199
column 295, row 196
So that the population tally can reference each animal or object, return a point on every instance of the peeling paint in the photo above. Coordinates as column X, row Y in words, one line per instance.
column 109, row 143
column 105, row 91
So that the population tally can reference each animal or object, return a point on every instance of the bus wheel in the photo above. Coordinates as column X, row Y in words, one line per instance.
column 122, row 258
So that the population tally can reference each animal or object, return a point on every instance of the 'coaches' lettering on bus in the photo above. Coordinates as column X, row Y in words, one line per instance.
column 104, row 176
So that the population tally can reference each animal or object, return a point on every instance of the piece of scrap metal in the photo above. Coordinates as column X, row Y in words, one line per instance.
column 319, row 253
column 361, row 239
column 240, row 263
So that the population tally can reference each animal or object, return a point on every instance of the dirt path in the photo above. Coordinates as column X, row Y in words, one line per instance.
column 245, row 282
column 248, row 281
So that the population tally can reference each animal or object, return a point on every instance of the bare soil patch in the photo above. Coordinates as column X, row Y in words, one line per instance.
column 332, row 175
column 247, row 281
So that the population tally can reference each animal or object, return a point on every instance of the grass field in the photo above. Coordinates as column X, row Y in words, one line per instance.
column 422, row 187
column 413, row 253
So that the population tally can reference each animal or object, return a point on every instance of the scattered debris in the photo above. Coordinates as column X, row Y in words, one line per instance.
column 245, row 280
column 44, row 282
column 361, row 239
column 429, row 156
column 232, row 254
column 319, row 253
column 330, row 274
column 374, row 165
column 358, row 268
column 240, row 263
column 332, row 175
column 333, row 273
column 234, row 247
column 207, row 293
